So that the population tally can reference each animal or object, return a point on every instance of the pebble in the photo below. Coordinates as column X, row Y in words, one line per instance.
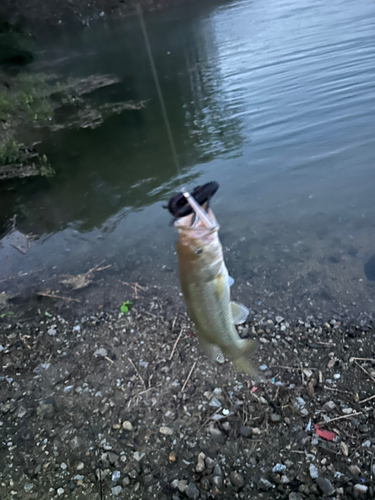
column 181, row 485
column 366, row 444
column 63, row 466
column 127, row 426
column 210, row 463
column 294, row 496
column 330, row 405
column 361, row 488
column 245, row 431
column 275, row 418
column 265, row 484
column 78, row 477
column 192, row 491
column 172, row 457
column 263, row 368
column 284, row 480
column 116, row 476
column 313, row 471
column 344, row 448
column 217, row 482
column 217, row 435
column 138, row 456
column 278, row 468
column 60, row 491
column 217, row 471
column 116, row 490
column 200, row 465
column 167, row 431
column 355, row 470
column 279, row 319
column 215, row 403
column 236, row 479
column 52, row 332
column 101, row 352
column 28, row 487
column 325, row 486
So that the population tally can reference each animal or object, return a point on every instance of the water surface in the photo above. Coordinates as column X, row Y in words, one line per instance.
column 274, row 100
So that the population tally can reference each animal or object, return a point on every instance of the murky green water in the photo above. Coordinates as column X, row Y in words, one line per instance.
column 274, row 100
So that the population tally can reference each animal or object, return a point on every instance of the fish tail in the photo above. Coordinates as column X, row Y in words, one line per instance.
column 242, row 362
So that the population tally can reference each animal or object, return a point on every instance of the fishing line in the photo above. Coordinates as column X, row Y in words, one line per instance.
column 158, row 89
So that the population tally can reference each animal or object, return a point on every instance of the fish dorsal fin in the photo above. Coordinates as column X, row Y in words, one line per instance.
column 239, row 313
column 230, row 280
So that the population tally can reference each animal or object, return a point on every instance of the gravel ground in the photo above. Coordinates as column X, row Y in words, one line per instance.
column 127, row 406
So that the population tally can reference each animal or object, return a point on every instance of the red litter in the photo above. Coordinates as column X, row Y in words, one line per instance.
column 328, row 435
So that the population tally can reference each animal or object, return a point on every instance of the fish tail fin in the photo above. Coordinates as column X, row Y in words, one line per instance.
column 242, row 363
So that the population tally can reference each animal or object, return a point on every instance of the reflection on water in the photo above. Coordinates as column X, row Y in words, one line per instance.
column 273, row 100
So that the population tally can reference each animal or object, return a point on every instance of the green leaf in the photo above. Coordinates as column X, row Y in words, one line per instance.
column 125, row 306
column 8, row 313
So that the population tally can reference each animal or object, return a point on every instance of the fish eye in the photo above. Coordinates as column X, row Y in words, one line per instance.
column 198, row 251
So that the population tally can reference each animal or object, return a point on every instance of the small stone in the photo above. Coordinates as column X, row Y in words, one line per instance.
column 279, row 319
column 192, row 491
column 256, row 431
column 138, row 456
column 265, row 484
column 330, row 405
column 60, row 491
column 325, row 486
column 263, row 368
column 181, row 485
column 21, row 412
column 313, row 471
column 336, row 376
column 366, row 444
column 126, row 481
column 217, row 471
column 308, row 373
column 101, row 353
column 217, row 435
column 112, row 458
column 210, row 463
column 172, row 457
column 355, row 470
column 116, row 476
column 245, row 431
column 236, row 479
column 275, row 418
column 217, row 482
column 80, row 465
column 127, row 426
column 116, row 490
column 28, row 487
column 278, row 468
column 63, row 466
column 167, row 431
column 294, row 496
column 215, row 403
column 52, row 332
column 344, row 449
column 200, row 465
column 284, row 480
column 75, row 443
column 361, row 488
column 78, row 477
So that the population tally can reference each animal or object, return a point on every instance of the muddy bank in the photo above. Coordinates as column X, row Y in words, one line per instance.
column 108, row 405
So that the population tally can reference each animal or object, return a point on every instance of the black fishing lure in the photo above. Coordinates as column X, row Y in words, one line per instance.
column 178, row 205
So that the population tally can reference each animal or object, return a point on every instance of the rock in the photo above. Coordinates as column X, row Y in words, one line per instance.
column 28, row 487
column 63, row 466
column 116, row 490
column 256, row 431
column 75, row 443
column 167, row 431
column 200, row 465
column 275, row 418
column 330, row 405
column 355, row 470
column 294, row 496
column 245, row 431
column 192, row 491
column 361, row 488
column 126, row 481
column 60, row 491
column 172, row 457
column 217, row 435
column 116, row 476
column 80, row 465
column 265, row 484
column 344, row 448
column 313, row 471
column 215, row 403
column 127, row 426
column 217, row 482
column 45, row 411
column 101, row 353
column 325, row 486
column 284, row 480
column 217, row 471
column 263, row 368
column 138, row 456
column 236, row 479
column 181, row 485
column 278, row 468
column 52, row 332
column 210, row 463
column 366, row 444
column 112, row 458
column 279, row 319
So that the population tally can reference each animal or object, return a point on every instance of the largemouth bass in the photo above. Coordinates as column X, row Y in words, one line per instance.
column 205, row 285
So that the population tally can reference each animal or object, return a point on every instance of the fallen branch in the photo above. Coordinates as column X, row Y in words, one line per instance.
column 137, row 372
column 342, row 417
column 175, row 345
column 365, row 371
column 367, row 399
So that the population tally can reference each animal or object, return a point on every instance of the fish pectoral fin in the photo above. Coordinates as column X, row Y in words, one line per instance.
column 230, row 280
column 239, row 313
column 242, row 362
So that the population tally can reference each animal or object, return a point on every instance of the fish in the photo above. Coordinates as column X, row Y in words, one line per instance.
column 205, row 285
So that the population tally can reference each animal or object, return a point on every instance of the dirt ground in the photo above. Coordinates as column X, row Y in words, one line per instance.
column 105, row 405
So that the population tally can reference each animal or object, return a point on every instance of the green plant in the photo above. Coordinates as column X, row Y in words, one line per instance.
column 125, row 306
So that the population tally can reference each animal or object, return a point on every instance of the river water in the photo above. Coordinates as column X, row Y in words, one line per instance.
column 274, row 100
